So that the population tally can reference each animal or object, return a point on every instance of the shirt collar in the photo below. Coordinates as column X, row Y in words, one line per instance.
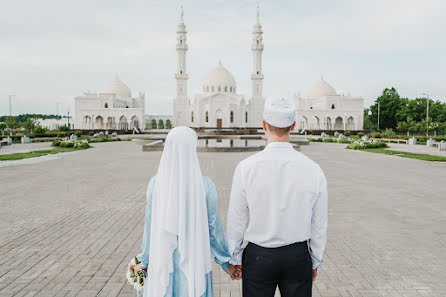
column 279, row 145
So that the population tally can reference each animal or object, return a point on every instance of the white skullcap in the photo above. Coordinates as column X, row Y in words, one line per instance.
column 279, row 112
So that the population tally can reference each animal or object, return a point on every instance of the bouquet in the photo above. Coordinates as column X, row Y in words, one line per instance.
column 135, row 279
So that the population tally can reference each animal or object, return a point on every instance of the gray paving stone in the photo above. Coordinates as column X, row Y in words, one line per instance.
column 73, row 223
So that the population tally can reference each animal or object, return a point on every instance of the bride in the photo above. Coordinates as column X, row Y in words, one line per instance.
column 182, row 225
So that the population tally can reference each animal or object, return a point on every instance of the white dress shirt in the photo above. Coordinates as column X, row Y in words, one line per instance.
column 284, row 195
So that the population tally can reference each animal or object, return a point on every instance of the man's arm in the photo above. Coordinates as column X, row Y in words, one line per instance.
column 237, row 217
column 319, row 224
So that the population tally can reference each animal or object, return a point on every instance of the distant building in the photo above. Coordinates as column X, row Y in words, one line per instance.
column 219, row 105
column 324, row 109
column 54, row 124
column 112, row 109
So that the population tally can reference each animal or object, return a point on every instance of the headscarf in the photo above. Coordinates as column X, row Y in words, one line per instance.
column 179, row 217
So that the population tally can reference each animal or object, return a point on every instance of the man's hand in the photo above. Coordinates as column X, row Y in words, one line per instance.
column 314, row 274
column 234, row 271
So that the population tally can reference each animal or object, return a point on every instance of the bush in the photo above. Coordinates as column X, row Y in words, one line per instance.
column 82, row 145
column 56, row 143
column 389, row 133
column 39, row 131
column 328, row 140
column 360, row 145
column 377, row 135
column 343, row 140
column 347, row 133
column 78, row 133
column 315, row 139
column 63, row 128
column 360, row 134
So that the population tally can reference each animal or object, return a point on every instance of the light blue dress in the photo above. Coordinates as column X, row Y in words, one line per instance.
column 219, row 247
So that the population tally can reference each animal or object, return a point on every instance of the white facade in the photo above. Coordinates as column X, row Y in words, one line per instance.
column 324, row 109
column 112, row 109
column 219, row 105
column 54, row 124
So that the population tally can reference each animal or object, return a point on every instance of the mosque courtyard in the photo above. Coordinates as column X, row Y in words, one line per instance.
column 70, row 224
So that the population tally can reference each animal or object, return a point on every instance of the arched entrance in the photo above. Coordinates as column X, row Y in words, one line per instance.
column 99, row 123
column 135, row 122
column 351, row 123
column 111, row 124
column 339, row 124
column 123, row 124
column 329, row 124
column 86, row 123
column 219, row 119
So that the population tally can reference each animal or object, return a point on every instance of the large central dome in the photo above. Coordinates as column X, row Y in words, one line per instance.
column 119, row 88
column 321, row 89
column 219, row 80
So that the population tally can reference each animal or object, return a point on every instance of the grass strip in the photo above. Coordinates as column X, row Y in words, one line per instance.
column 423, row 157
column 33, row 154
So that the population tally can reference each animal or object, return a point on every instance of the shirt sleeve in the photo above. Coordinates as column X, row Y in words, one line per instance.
column 237, row 218
column 319, row 224
column 219, row 245
column 145, row 245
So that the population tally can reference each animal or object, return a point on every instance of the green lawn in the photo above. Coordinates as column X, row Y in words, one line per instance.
column 423, row 157
column 18, row 156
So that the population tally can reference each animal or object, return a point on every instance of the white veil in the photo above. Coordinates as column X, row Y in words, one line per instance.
column 179, row 217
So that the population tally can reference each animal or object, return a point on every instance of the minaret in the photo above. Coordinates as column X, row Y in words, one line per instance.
column 256, row 103
column 180, row 104
column 257, row 49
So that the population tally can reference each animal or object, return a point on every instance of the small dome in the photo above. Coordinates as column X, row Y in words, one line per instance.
column 119, row 88
column 219, row 80
column 321, row 89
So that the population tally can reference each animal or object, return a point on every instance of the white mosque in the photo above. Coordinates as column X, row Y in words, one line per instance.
column 219, row 105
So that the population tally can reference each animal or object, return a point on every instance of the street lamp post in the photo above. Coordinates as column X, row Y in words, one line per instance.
column 427, row 114
column 68, row 118
column 378, row 115
column 370, row 114
column 10, row 109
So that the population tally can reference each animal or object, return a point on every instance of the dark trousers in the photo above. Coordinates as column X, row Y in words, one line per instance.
column 288, row 267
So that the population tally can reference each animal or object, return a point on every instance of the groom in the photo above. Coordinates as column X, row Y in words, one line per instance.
column 284, row 195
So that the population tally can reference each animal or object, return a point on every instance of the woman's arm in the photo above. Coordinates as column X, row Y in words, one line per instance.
column 219, row 245
column 145, row 245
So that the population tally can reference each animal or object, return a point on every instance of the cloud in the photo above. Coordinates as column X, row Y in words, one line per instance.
column 54, row 50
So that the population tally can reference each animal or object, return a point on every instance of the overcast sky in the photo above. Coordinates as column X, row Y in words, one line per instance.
column 53, row 50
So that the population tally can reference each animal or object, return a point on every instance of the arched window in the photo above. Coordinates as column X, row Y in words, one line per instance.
column 219, row 88
column 207, row 116
column 226, row 88
column 246, row 116
column 106, row 105
column 192, row 116
column 213, row 89
column 181, row 71
column 257, row 72
column 311, row 107
column 232, row 117
column 230, row 89
column 127, row 106
column 332, row 106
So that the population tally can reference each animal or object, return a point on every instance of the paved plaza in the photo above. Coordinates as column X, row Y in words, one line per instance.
column 69, row 225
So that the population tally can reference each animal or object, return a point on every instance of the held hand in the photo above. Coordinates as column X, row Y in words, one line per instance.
column 233, row 272
column 314, row 274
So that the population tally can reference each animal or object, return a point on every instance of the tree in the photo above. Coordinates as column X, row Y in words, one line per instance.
column 393, row 109
column 403, row 127
column 10, row 122
column 29, row 125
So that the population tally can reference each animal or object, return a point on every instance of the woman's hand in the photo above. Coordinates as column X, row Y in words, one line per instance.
column 234, row 271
